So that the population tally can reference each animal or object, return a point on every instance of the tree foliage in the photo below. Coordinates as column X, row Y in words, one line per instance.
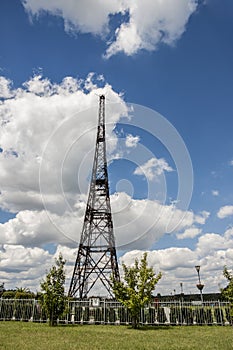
column 53, row 296
column 136, row 290
column 18, row 293
column 23, row 293
column 228, row 291
column 8, row 294
column 2, row 289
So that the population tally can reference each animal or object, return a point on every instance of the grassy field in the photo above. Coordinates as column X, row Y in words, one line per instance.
column 33, row 336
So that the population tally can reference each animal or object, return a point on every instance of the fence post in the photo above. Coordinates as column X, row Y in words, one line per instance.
column 220, row 312
column 181, row 318
column 104, row 311
column 33, row 309
column 72, row 311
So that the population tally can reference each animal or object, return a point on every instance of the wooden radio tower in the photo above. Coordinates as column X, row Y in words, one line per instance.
column 96, row 260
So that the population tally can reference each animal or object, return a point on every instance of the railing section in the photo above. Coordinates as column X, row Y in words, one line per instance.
column 96, row 311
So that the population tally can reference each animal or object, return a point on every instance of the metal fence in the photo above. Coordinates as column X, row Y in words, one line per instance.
column 96, row 311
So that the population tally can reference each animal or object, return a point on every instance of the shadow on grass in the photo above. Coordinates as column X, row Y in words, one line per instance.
column 140, row 328
column 149, row 328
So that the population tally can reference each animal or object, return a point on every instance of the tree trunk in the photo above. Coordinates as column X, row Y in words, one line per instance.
column 134, row 322
column 52, row 321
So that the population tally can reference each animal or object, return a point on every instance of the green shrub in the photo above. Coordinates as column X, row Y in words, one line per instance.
column 24, row 295
column 9, row 294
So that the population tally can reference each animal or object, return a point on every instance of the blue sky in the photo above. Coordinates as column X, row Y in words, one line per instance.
column 174, row 59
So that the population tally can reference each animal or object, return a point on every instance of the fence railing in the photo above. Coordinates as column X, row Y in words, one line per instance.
column 96, row 311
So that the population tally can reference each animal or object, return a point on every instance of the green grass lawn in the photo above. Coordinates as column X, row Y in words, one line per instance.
column 33, row 336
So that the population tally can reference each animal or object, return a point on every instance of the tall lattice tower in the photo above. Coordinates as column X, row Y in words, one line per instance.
column 96, row 259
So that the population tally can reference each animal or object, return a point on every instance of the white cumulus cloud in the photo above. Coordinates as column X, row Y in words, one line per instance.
column 143, row 25
column 86, row 17
column 225, row 211
column 215, row 193
column 131, row 141
column 151, row 23
column 142, row 222
column 153, row 168
column 47, row 133
column 190, row 232
column 5, row 87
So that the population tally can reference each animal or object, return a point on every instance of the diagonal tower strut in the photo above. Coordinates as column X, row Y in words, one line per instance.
column 96, row 260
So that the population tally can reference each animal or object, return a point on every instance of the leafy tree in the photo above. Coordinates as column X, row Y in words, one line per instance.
column 53, row 296
column 136, row 290
column 2, row 289
column 228, row 291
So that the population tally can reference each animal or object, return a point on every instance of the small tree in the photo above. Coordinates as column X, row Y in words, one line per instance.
column 228, row 291
column 53, row 297
column 2, row 289
column 136, row 290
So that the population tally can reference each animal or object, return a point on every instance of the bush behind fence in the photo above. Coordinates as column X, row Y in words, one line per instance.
column 96, row 311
